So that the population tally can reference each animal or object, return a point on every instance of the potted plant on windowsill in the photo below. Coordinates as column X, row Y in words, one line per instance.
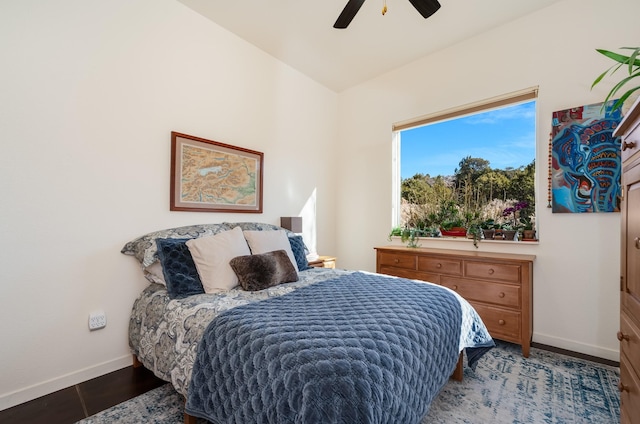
column 450, row 222
column 528, row 230
column 513, row 224
column 472, row 225
column 474, row 232
column 488, row 228
column 509, row 231
column 453, row 229
column 407, row 235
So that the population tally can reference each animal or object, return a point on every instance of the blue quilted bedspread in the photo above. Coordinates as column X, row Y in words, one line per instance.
column 361, row 348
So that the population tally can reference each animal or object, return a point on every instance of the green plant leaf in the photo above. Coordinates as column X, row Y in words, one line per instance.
column 631, row 64
column 630, row 60
column 633, row 59
column 597, row 80
column 624, row 97
column 617, row 87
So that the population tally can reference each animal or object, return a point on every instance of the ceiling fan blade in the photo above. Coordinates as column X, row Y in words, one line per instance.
column 348, row 13
column 426, row 7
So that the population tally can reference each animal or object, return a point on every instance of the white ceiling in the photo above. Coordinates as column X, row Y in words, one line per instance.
column 301, row 34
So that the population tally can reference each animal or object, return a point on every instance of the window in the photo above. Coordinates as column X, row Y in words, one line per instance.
column 471, row 167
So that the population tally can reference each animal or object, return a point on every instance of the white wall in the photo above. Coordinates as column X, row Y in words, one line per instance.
column 576, row 273
column 91, row 90
column 90, row 93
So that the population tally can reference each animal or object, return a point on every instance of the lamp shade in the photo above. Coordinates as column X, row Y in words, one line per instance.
column 291, row 223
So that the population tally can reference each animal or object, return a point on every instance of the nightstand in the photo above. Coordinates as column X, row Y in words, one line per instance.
column 323, row 262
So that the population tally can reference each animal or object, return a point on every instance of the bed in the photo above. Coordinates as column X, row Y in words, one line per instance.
column 307, row 346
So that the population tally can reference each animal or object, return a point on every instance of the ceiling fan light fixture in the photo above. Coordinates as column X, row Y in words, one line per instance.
column 425, row 7
column 348, row 13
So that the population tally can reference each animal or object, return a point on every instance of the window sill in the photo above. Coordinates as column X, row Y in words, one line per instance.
column 467, row 240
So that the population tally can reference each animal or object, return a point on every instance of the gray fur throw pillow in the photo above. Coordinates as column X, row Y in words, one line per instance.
column 258, row 272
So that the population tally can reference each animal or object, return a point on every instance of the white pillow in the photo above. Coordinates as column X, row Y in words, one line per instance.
column 269, row 241
column 212, row 255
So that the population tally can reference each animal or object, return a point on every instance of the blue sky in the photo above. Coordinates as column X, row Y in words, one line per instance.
column 505, row 137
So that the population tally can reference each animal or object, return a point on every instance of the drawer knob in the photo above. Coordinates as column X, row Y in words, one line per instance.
column 396, row 260
column 501, row 294
column 637, row 242
column 501, row 322
column 622, row 387
column 454, row 288
column 491, row 271
column 439, row 265
column 628, row 145
column 621, row 336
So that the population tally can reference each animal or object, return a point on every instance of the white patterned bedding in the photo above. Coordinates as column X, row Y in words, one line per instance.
column 164, row 333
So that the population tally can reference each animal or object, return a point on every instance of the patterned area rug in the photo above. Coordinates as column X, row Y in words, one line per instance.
column 505, row 388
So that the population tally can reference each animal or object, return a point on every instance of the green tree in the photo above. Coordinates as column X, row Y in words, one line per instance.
column 470, row 169
column 474, row 191
column 492, row 184
column 522, row 187
column 415, row 189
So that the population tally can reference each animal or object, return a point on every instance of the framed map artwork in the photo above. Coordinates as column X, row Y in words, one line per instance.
column 208, row 176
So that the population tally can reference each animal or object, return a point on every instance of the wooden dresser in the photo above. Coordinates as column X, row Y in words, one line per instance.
column 499, row 286
column 629, row 334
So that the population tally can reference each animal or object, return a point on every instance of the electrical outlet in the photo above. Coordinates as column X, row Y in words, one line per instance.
column 97, row 320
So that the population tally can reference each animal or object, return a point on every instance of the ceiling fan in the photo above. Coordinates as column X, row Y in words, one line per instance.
column 425, row 7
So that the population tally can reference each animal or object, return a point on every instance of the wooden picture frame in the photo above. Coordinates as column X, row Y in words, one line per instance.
column 208, row 176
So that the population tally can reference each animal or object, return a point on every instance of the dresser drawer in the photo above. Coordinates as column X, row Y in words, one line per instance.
column 631, row 143
column 410, row 274
column 492, row 271
column 502, row 324
column 498, row 294
column 629, row 392
column 440, row 265
column 498, row 285
column 630, row 343
column 397, row 260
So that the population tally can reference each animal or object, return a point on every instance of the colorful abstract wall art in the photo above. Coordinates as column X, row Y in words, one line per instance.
column 585, row 160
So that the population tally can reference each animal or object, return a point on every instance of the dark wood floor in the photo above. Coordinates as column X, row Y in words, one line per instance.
column 85, row 399
column 576, row 355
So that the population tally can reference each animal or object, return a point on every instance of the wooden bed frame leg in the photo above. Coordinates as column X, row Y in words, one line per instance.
column 136, row 362
column 189, row 419
column 459, row 371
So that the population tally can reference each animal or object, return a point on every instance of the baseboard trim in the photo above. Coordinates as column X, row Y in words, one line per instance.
column 576, row 349
column 541, row 341
column 7, row 400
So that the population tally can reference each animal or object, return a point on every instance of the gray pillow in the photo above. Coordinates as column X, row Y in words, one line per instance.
column 258, row 272
column 144, row 248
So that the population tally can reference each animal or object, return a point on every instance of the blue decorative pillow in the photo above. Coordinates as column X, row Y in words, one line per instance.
column 178, row 268
column 299, row 252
